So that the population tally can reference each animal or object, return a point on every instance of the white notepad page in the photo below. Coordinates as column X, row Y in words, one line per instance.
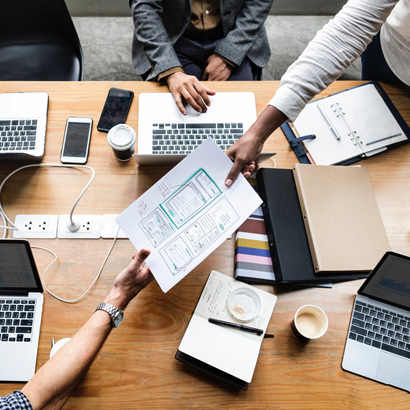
column 230, row 350
column 361, row 118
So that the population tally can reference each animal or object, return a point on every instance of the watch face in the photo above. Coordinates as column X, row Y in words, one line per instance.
column 118, row 319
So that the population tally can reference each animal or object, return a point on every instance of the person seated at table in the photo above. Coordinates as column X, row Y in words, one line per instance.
column 53, row 384
column 214, row 40
column 334, row 48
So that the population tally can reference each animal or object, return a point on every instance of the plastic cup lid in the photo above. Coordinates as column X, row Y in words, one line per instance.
column 121, row 136
column 244, row 304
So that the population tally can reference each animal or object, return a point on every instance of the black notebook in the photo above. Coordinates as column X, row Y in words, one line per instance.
column 285, row 228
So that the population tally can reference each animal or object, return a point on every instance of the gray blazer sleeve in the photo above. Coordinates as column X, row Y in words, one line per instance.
column 241, row 30
column 150, row 33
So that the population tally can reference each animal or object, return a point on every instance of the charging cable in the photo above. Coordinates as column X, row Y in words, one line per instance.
column 72, row 226
column 93, row 282
column 273, row 162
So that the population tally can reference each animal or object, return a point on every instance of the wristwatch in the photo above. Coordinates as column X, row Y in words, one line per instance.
column 116, row 314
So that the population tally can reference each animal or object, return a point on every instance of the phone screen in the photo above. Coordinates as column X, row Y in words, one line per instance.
column 76, row 140
column 116, row 109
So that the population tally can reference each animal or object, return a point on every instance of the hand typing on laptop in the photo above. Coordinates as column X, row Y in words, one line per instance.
column 55, row 381
column 189, row 88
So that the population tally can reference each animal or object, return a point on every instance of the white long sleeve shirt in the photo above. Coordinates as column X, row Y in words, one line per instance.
column 339, row 43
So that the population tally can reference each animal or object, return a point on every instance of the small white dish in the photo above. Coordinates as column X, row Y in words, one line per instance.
column 58, row 345
column 244, row 304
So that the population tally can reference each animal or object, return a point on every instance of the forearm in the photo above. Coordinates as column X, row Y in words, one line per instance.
column 269, row 120
column 54, row 382
column 151, row 33
column 51, row 386
column 328, row 55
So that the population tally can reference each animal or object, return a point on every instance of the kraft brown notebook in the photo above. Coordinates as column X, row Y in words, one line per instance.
column 342, row 219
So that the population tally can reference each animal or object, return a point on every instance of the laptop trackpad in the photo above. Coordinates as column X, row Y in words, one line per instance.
column 394, row 370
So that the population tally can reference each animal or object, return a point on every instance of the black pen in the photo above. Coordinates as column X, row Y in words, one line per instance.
column 249, row 329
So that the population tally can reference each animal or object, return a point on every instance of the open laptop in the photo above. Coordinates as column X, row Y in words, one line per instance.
column 21, row 305
column 165, row 136
column 378, row 342
column 23, row 122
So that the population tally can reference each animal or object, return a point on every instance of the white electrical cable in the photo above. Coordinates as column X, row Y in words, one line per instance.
column 5, row 227
column 271, row 158
column 93, row 282
column 3, row 214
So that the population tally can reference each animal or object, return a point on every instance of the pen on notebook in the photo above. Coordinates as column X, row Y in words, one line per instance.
column 237, row 326
column 328, row 122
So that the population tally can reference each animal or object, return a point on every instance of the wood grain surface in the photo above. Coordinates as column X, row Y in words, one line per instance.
column 136, row 368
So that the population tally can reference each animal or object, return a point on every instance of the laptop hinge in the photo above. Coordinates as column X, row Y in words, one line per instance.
column 13, row 293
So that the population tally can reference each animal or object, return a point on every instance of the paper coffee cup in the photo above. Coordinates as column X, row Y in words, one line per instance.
column 310, row 322
column 122, row 140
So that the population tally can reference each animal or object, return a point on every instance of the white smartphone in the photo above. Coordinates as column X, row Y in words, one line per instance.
column 76, row 142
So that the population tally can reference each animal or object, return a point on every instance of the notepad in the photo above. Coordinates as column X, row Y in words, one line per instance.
column 223, row 350
column 342, row 220
column 355, row 123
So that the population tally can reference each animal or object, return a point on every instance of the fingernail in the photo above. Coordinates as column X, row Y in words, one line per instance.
column 228, row 182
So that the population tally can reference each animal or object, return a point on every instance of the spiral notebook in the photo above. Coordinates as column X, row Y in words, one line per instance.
column 350, row 125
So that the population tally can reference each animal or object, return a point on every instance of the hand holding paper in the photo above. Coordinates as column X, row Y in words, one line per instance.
column 188, row 213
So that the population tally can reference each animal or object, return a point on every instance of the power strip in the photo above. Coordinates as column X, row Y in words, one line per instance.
column 90, row 227
column 36, row 226
column 45, row 227
column 109, row 227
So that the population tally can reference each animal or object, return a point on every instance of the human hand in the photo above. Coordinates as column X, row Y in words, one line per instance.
column 217, row 69
column 130, row 281
column 189, row 88
column 244, row 153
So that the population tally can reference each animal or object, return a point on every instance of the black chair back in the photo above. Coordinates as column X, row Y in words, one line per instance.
column 38, row 42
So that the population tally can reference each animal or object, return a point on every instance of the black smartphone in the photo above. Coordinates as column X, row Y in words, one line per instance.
column 116, row 108
column 76, row 140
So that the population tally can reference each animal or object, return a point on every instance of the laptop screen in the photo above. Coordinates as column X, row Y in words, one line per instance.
column 18, row 271
column 390, row 281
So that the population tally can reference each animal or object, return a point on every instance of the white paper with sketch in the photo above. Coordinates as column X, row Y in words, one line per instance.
column 230, row 350
column 188, row 213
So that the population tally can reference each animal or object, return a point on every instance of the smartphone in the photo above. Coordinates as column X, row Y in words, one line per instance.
column 76, row 142
column 116, row 108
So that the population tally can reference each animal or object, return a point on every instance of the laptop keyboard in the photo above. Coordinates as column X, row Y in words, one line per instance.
column 16, row 319
column 381, row 329
column 184, row 138
column 18, row 134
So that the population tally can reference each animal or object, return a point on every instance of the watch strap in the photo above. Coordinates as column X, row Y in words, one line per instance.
column 111, row 310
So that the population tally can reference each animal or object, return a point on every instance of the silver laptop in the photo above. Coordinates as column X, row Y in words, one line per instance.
column 23, row 122
column 165, row 136
column 21, row 305
column 378, row 342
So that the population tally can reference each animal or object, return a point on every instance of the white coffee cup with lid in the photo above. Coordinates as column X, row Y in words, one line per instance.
column 122, row 140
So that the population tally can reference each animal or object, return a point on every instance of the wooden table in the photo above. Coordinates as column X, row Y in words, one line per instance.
column 136, row 367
